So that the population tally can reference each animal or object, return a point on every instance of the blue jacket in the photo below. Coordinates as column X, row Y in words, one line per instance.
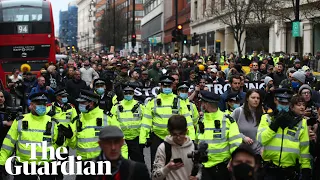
column 223, row 99
column 37, row 89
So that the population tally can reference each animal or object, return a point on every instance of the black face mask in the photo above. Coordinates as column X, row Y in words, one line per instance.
column 243, row 171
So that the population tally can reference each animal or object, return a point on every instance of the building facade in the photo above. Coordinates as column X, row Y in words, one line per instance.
column 152, row 25
column 63, row 26
column 86, row 25
column 126, row 7
column 216, row 37
column 184, row 10
column 72, row 24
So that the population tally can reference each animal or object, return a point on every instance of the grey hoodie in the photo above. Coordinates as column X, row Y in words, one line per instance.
column 160, row 171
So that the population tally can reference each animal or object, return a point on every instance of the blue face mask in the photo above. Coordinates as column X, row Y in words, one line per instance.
column 183, row 95
column 295, row 85
column 41, row 110
column 281, row 107
column 167, row 90
column 100, row 91
column 83, row 108
column 235, row 106
column 64, row 100
column 128, row 97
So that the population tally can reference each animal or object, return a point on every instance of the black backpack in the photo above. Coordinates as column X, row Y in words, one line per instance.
column 168, row 150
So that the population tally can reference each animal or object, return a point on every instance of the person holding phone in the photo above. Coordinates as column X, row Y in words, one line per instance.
column 171, row 161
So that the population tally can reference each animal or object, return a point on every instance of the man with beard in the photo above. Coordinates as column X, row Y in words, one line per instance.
column 278, row 76
column 73, row 87
column 88, row 74
column 155, row 73
column 145, row 81
column 41, row 88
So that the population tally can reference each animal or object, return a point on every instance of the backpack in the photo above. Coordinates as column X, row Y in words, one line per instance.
column 168, row 150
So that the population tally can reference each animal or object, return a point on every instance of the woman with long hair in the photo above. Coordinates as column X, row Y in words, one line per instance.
column 248, row 118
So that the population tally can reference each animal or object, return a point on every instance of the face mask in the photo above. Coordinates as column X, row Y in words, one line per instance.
column 40, row 110
column 295, row 85
column 128, row 97
column 183, row 95
column 64, row 100
column 83, row 108
column 100, row 91
column 235, row 106
column 281, row 107
column 243, row 171
column 167, row 90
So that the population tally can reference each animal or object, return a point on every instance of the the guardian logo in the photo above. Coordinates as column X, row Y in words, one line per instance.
column 48, row 166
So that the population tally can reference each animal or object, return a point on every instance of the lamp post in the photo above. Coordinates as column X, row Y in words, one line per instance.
column 91, row 14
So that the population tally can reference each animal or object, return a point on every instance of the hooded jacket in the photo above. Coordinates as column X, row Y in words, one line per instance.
column 155, row 73
column 160, row 171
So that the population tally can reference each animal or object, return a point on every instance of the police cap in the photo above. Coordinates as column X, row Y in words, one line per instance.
column 233, row 96
column 183, row 85
column 283, row 94
column 61, row 92
column 39, row 97
column 128, row 88
column 208, row 96
column 110, row 132
column 166, row 80
column 86, row 95
column 99, row 81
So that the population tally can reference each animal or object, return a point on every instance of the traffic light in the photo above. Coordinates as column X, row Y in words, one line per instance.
column 174, row 35
column 185, row 39
column 73, row 47
column 68, row 47
column 179, row 30
column 133, row 40
column 195, row 39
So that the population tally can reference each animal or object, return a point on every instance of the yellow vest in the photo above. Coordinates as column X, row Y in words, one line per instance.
column 157, row 113
column 290, row 144
column 130, row 122
column 222, row 141
column 29, row 129
column 86, row 133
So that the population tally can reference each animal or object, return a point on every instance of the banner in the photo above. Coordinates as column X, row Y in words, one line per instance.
column 143, row 95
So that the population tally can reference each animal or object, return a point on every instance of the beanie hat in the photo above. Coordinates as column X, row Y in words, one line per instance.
column 299, row 76
column 267, row 79
column 305, row 86
column 174, row 61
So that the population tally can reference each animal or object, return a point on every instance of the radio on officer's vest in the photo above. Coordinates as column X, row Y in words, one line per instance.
column 99, row 121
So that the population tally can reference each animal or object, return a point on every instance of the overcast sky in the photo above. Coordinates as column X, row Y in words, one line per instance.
column 58, row 5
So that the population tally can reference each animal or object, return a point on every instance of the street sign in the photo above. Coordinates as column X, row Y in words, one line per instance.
column 296, row 29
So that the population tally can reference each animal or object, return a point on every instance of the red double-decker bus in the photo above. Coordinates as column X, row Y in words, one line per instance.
column 26, row 35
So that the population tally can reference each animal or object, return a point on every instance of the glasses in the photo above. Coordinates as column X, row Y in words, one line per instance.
column 306, row 93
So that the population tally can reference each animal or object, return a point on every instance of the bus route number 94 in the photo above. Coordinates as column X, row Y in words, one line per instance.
column 23, row 29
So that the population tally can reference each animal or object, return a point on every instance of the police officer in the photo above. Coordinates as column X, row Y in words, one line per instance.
column 64, row 112
column 233, row 102
column 285, row 138
column 34, row 127
column 157, row 113
column 87, row 128
column 222, row 135
column 183, row 89
column 128, row 113
column 107, row 97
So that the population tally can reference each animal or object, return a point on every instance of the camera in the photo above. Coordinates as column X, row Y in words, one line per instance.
column 199, row 155
column 13, row 112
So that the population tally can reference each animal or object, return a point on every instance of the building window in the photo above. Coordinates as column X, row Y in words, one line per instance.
column 139, row 13
column 195, row 12
column 139, row 2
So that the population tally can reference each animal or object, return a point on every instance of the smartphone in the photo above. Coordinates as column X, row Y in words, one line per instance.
column 177, row 160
